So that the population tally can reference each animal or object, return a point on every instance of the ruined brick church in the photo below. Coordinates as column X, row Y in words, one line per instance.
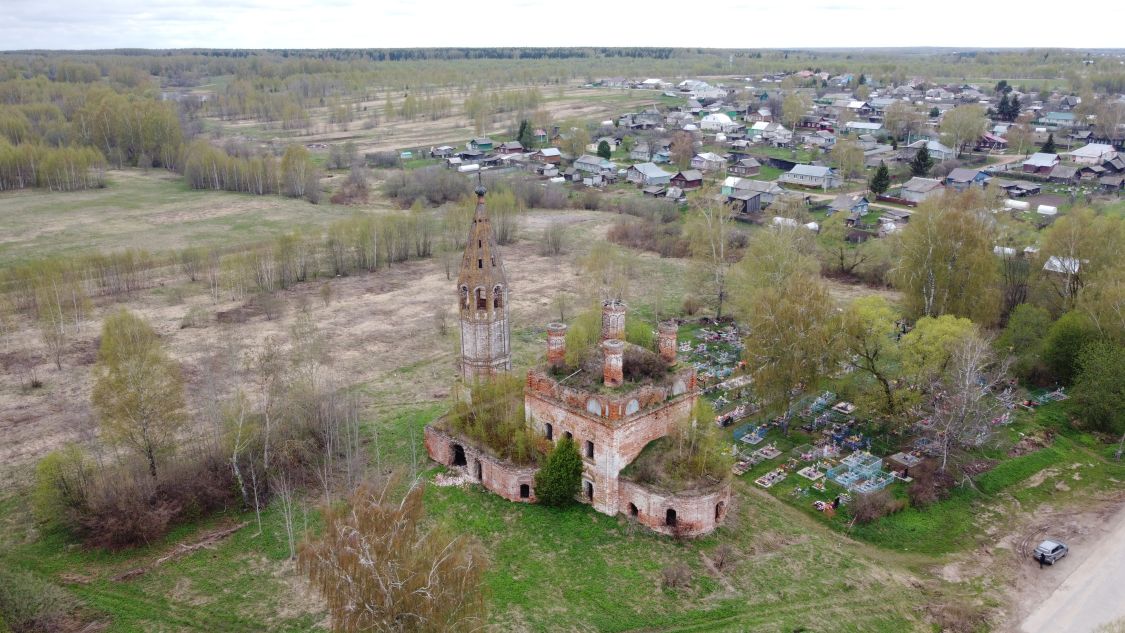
column 610, row 418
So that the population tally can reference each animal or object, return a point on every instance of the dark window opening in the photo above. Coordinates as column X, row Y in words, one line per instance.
column 493, row 258
column 590, row 491
column 480, row 263
column 589, row 449
column 479, row 243
column 497, row 297
column 569, row 435
column 458, row 455
column 482, row 300
column 670, row 517
column 464, row 298
column 633, row 510
column 525, row 491
column 719, row 510
column 477, row 469
column 550, row 431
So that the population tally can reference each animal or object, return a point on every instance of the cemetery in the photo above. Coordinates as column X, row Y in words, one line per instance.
column 822, row 452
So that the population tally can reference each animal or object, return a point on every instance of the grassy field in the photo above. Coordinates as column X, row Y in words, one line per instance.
column 153, row 210
column 578, row 570
column 241, row 584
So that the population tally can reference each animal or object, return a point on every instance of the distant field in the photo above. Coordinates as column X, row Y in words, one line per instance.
column 152, row 210
column 583, row 104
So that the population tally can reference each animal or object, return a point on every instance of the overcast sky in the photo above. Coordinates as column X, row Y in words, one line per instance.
column 86, row 24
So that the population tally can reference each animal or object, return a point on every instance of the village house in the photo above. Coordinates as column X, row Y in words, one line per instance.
column 755, row 114
column 640, row 152
column 1113, row 183
column 820, row 138
column 1087, row 172
column 1040, row 163
column 918, row 189
column 863, row 127
column 688, row 179
column 708, row 161
column 549, row 155
column 745, row 167
column 989, row 141
column 1059, row 119
column 718, row 122
column 1066, row 174
column 961, row 178
column 647, row 175
column 851, row 203
column 510, row 147
column 938, row 152
column 443, row 151
column 1093, row 154
column 818, row 176
column 590, row 164
column 769, row 191
column 480, row 144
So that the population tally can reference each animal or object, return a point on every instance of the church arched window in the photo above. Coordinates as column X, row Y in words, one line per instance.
column 464, row 297
column 498, row 297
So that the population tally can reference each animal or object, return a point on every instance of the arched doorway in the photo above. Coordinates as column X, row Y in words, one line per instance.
column 458, row 455
column 670, row 517
column 477, row 469
column 525, row 491
column 633, row 512
column 719, row 509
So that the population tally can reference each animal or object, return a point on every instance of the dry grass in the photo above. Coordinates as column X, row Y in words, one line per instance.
column 584, row 104
column 379, row 328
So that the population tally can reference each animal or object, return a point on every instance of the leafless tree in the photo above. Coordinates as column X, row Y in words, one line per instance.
column 964, row 407
column 381, row 569
column 282, row 489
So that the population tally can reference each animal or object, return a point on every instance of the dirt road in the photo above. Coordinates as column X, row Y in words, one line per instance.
column 1091, row 593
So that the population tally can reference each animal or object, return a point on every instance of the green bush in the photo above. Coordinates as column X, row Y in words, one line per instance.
column 1064, row 343
column 493, row 415
column 639, row 333
column 1098, row 397
column 559, row 480
column 28, row 604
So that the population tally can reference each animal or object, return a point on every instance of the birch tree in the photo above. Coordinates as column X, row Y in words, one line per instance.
column 138, row 390
column 709, row 228
column 946, row 264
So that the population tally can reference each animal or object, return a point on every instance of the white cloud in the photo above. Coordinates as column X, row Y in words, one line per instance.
column 70, row 24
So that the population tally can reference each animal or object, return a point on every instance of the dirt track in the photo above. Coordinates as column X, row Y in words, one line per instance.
column 1091, row 592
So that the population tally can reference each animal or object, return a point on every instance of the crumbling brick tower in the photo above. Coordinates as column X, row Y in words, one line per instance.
column 482, row 289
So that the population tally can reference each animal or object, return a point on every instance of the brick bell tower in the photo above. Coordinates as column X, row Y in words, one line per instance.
column 482, row 289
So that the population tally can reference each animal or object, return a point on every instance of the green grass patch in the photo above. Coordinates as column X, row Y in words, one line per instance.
column 151, row 209
column 768, row 173
column 562, row 569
